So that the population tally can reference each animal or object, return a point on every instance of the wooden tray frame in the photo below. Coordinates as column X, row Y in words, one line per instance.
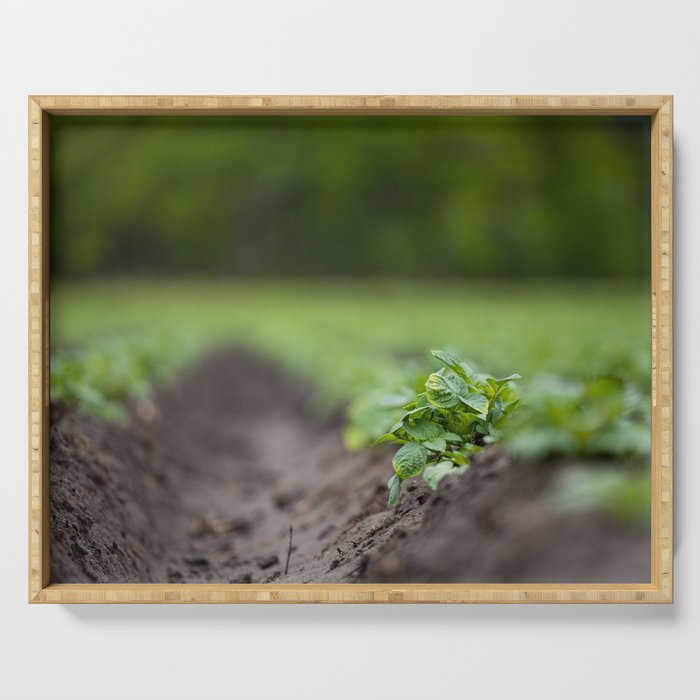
column 660, row 588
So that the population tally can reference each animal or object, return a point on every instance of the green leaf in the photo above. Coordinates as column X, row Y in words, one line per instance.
column 496, row 410
column 503, row 380
column 461, row 422
column 468, row 370
column 435, row 473
column 445, row 391
column 476, row 402
column 384, row 438
column 435, row 445
column 460, row 458
column 423, row 429
column 394, row 485
column 482, row 427
column 452, row 362
column 417, row 412
column 410, row 460
column 420, row 402
column 452, row 437
column 397, row 426
column 510, row 407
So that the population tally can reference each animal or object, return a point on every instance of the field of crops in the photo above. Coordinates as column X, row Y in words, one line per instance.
column 350, row 336
column 367, row 343
column 363, row 348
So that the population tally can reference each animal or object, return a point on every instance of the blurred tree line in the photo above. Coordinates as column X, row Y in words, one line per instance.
column 437, row 196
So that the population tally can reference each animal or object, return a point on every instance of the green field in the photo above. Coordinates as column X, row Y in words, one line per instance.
column 583, row 351
column 346, row 336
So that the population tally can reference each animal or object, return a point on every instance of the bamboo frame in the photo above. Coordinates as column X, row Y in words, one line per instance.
column 660, row 588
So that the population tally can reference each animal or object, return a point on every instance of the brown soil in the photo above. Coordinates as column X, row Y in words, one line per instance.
column 204, row 482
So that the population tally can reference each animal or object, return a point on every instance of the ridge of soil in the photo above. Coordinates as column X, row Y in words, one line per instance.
column 203, row 483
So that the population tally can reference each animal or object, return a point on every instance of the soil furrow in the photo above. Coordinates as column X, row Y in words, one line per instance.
column 204, row 481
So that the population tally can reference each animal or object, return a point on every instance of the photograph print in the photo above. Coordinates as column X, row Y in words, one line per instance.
column 320, row 349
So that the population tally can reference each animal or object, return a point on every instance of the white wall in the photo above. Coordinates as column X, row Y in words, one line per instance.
column 363, row 46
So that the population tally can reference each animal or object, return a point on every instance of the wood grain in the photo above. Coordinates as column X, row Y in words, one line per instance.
column 659, row 108
column 38, row 351
column 350, row 593
column 350, row 104
column 662, row 347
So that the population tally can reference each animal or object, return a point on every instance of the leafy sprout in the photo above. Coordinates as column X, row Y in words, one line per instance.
column 595, row 416
column 458, row 413
column 624, row 496
column 101, row 378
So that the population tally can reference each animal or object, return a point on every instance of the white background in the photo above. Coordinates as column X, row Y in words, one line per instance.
column 363, row 46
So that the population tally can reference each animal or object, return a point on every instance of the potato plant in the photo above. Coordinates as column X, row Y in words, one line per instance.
column 458, row 413
column 599, row 416
column 100, row 377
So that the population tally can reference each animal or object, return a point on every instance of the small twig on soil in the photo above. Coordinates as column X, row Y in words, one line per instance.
column 289, row 551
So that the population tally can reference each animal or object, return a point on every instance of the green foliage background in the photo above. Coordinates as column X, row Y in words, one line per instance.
column 353, row 196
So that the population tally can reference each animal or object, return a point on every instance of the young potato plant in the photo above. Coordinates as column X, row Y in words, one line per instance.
column 101, row 377
column 591, row 417
column 621, row 494
column 458, row 413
